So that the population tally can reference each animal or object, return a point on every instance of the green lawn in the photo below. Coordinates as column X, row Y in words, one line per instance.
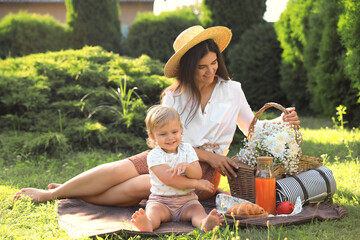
column 25, row 220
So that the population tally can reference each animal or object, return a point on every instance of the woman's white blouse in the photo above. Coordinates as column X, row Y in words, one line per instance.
column 226, row 108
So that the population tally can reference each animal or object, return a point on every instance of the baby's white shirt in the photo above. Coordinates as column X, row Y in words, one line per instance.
column 157, row 156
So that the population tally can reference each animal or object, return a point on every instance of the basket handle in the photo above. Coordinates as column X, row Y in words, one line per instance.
column 257, row 115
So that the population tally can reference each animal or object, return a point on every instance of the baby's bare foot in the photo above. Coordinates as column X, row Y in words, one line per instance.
column 212, row 220
column 37, row 195
column 141, row 221
column 54, row 185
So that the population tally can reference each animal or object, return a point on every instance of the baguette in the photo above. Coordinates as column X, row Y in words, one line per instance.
column 246, row 208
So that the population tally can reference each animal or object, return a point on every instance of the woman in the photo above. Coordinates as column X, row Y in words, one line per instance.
column 210, row 106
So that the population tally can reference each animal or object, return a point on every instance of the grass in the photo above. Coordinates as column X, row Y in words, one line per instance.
column 25, row 220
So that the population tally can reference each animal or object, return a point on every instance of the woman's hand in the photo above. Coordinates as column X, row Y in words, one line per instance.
column 220, row 163
column 291, row 117
column 223, row 165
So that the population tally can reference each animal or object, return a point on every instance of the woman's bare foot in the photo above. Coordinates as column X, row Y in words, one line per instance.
column 141, row 221
column 37, row 195
column 213, row 219
column 53, row 185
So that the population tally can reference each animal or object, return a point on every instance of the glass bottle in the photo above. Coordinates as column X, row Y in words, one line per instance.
column 265, row 185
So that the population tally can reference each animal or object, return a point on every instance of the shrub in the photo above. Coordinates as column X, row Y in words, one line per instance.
column 41, row 93
column 154, row 35
column 236, row 15
column 291, row 29
column 142, row 71
column 24, row 33
column 255, row 62
column 324, row 57
column 16, row 144
column 349, row 25
column 49, row 142
column 94, row 23
column 327, row 81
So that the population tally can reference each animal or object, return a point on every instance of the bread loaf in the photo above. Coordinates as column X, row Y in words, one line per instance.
column 246, row 208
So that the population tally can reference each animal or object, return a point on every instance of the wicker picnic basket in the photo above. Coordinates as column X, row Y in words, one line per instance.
column 244, row 185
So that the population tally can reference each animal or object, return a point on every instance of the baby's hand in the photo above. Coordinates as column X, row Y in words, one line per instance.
column 205, row 185
column 178, row 169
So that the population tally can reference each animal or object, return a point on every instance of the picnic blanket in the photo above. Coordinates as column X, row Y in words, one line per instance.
column 80, row 218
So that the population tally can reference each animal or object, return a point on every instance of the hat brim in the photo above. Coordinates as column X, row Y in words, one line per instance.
column 220, row 35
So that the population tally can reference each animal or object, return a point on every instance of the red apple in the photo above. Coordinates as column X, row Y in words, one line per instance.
column 285, row 208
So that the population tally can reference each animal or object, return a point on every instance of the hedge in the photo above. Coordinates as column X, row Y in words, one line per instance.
column 24, row 33
column 41, row 93
column 255, row 62
column 154, row 35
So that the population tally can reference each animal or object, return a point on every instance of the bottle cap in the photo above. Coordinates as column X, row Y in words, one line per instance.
column 265, row 160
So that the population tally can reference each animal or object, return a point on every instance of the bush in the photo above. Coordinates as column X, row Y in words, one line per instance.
column 94, row 23
column 349, row 25
column 255, row 62
column 291, row 29
column 23, row 33
column 324, row 57
column 327, row 82
column 154, row 35
column 41, row 93
column 17, row 144
column 319, row 44
column 236, row 15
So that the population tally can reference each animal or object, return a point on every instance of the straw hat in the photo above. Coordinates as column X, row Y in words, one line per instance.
column 191, row 37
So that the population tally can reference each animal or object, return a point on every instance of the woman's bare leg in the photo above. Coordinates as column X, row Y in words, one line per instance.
column 90, row 183
column 131, row 191
column 128, row 193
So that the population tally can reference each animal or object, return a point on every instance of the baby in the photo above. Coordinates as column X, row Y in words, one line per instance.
column 172, row 200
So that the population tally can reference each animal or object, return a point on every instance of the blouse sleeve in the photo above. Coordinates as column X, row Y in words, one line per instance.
column 245, row 115
column 168, row 99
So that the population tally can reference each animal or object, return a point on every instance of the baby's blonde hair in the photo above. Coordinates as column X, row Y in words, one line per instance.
column 158, row 115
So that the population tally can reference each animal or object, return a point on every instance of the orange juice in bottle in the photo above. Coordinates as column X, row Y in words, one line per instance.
column 265, row 185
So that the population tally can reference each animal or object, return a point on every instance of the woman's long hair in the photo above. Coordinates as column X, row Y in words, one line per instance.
column 185, row 80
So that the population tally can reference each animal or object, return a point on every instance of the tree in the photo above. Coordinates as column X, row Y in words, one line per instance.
column 291, row 28
column 94, row 23
column 236, row 15
column 154, row 35
column 324, row 57
column 349, row 30
column 255, row 61
column 24, row 33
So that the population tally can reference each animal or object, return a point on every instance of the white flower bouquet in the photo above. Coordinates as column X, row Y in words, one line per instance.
column 277, row 139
